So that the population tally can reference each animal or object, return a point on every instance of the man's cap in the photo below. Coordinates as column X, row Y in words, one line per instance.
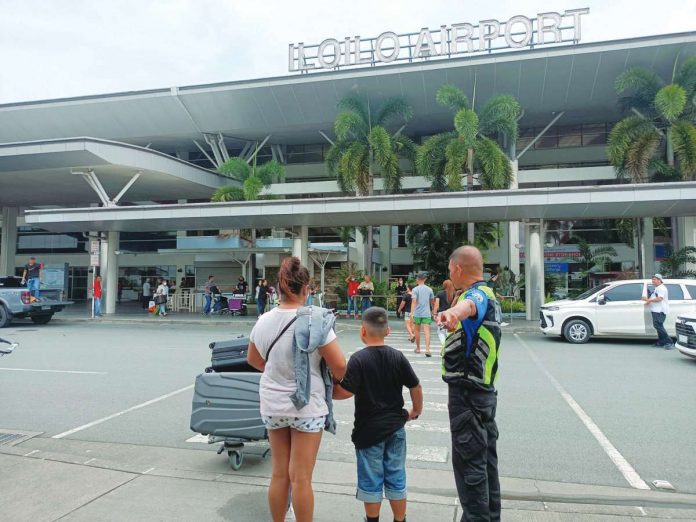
column 422, row 275
column 658, row 276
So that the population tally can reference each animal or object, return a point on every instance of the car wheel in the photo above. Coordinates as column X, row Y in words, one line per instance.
column 577, row 331
column 42, row 319
column 5, row 317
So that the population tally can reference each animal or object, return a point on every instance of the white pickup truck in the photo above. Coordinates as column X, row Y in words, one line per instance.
column 16, row 302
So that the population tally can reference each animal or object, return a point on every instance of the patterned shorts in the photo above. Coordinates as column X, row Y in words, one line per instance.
column 305, row 424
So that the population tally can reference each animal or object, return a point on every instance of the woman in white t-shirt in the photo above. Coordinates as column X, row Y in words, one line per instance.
column 294, row 434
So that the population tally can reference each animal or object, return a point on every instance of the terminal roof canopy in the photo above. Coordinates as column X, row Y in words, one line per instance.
column 44, row 173
column 605, row 201
column 578, row 79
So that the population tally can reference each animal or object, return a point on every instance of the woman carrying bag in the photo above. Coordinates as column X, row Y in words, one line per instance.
column 295, row 347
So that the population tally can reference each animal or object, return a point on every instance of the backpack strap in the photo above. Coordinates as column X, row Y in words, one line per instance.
column 268, row 353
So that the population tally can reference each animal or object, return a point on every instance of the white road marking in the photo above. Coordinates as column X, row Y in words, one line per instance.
column 198, row 438
column 630, row 474
column 642, row 511
column 31, row 453
column 51, row 371
column 414, row 453
column 88, row 461
column 147, row 471
column 415, row 425
column 118, row 414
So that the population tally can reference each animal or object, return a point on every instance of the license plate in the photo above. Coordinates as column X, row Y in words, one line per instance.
column 45, row 307
column 683, row 339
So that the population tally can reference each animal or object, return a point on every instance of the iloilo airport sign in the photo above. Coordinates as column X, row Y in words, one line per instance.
column 447, row 41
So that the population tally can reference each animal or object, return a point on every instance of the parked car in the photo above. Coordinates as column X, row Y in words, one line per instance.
column 17, row 302
column 615, row 310
column 686, row 334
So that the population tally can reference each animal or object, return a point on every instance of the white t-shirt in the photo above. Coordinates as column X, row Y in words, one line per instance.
column 278, row 379
column 662, row 306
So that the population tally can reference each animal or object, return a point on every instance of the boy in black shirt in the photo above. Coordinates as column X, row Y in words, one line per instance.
column 375, row 375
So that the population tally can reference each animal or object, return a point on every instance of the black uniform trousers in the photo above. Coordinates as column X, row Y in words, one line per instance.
column 474, row 454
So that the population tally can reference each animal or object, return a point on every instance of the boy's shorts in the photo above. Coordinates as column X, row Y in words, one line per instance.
column 422, row 320
column 382, row 467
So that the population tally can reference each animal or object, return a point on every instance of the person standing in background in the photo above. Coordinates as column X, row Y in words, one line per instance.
column 147, row 293
column 262, row 297
column 659, row 308
column 97, row 292
column 32, row 276
column 208, row 294
column 366, row 290
column 352, row 293
column 400, row 291
column 444, row 298
column 422, row 311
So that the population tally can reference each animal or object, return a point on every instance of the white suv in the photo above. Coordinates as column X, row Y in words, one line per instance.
column 615, row 310
column 686, row 334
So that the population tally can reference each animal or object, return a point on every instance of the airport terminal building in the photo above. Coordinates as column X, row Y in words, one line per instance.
column 138, row 169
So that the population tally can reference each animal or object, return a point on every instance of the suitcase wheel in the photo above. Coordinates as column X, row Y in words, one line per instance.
column 235, row 458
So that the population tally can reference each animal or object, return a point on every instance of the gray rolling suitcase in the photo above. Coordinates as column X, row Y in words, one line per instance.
column 230, row 355
column 226, row 406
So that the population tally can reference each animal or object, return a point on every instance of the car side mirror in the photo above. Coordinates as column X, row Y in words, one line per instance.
column 601, row 300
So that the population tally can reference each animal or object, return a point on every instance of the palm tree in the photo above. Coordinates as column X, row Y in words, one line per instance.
column 433, row 244
column 673, row 263
column 659, row 139
column 364, row 148
column 594, row 257
column 472, row 147
column 254, row 179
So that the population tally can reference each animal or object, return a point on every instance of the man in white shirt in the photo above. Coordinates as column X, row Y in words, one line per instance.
column 658, row 300
column 147, row 293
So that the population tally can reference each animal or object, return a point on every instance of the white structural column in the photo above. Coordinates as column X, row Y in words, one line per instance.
column 359, row 250
column 300, row 244
column 111, row 272
column 686, row 231
column 8, row 246
column 385, row 237
column 647, row 247
column 534, row 268
column 513, row 232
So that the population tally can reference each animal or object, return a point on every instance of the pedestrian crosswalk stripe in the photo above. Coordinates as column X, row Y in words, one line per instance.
column 414, row 452
column 416, row 425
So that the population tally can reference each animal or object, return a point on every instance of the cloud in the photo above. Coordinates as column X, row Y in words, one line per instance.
column 56, row 49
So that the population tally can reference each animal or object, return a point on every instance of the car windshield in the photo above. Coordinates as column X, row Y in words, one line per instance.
column 590, row 292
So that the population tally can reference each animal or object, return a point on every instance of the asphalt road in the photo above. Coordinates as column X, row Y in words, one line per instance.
column 82, row 381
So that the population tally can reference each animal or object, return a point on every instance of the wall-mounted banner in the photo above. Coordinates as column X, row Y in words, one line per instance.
column 450, row 41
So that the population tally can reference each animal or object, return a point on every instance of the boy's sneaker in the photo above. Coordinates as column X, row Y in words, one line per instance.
column 290, row 515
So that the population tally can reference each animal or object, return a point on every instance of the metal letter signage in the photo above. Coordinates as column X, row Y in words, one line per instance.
column 451, row 41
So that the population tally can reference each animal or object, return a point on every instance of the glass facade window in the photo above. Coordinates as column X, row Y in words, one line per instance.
column 565, row 136
column 147, row 241
column 312, row 153
column 38, row 241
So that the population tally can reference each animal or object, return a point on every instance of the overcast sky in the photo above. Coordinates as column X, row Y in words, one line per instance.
column 54, row 49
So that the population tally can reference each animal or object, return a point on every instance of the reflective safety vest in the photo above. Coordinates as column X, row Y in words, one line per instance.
column 470, row 353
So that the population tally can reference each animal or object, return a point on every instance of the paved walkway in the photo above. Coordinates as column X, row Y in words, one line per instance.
column 129, row 312
column 69, row 480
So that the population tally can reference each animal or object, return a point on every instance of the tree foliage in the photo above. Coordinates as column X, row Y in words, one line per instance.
column 657, row 140
column 472, row 146
column 365, row 147
column 253, row 178
column 674, row 263
column 433, row 244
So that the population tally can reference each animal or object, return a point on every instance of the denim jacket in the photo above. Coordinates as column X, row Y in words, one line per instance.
column 311, row 330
